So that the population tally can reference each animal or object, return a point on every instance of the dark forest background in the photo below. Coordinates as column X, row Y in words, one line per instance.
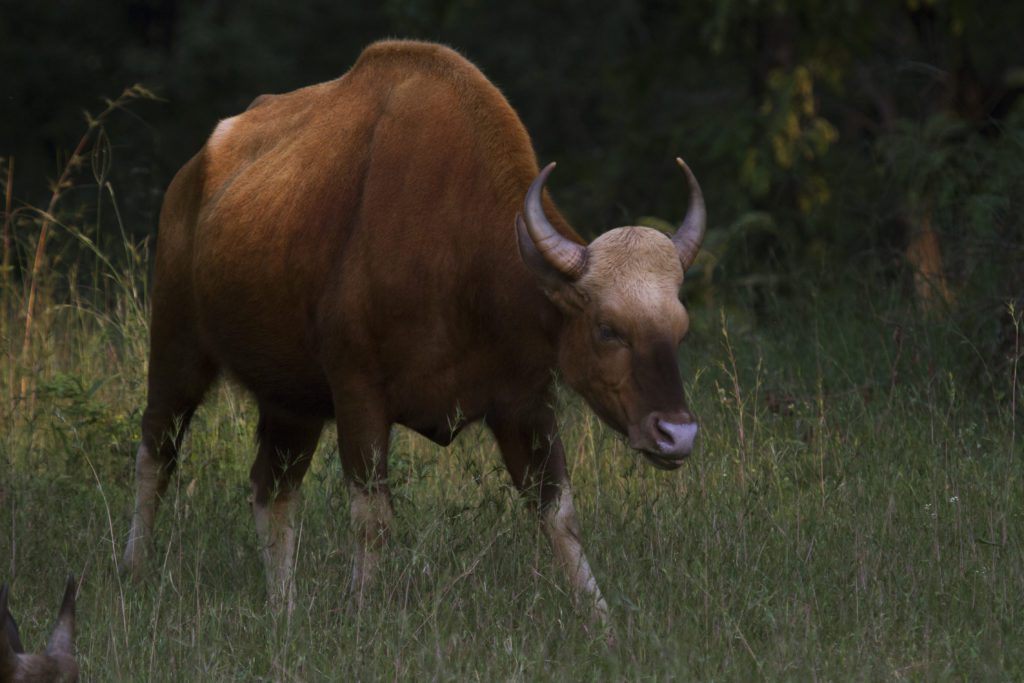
column 838, row 143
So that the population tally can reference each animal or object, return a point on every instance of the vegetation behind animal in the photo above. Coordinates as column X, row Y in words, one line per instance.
column 853, row 511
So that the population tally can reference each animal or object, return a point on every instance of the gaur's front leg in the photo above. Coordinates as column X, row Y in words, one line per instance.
column 534, row 456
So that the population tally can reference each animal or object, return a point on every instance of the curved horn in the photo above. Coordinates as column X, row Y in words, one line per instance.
column 562, row 254
column 691, row 233
column 10, row 643
column 62, row 640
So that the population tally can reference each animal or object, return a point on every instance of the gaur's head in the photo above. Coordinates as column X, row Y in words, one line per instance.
column 57, row 663
column 623, row 319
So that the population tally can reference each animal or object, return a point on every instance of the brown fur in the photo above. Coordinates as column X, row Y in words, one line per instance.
column 347, row 251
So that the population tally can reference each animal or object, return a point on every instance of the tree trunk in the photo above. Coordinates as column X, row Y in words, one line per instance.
column 925, row 258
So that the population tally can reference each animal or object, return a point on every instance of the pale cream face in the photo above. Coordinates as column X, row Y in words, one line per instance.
column 623, row 321
column 633, row 276
column 619, row 347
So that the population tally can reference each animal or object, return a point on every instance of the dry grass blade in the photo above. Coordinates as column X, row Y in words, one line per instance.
column 63, row 183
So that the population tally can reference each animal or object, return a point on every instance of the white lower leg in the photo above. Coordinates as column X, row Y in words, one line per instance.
column 150, row 481
column 371, row 517
column 563, row 530
column 275, row 532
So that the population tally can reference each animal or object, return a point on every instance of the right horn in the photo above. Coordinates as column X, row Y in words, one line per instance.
column 691, row 233
column 62, row 640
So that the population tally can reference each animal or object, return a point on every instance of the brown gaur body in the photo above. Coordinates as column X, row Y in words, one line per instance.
column 348, row 251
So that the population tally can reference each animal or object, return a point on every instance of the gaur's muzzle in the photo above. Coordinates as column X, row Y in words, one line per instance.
column 665, row 439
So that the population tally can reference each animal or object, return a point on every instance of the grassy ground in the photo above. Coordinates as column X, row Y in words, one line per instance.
column 854, row 512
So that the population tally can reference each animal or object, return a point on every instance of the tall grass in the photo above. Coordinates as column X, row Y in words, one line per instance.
column 853, row 512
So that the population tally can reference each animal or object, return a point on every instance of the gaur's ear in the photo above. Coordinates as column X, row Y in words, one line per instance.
column 62, row 640
column 559, row 287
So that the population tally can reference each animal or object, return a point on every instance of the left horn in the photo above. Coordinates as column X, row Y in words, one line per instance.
column 691, row 233
column 562, row 254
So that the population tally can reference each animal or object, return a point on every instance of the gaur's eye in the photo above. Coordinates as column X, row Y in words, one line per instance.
column 607, row 334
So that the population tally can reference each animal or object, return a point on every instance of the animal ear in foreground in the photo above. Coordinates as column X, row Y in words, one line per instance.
column 57, row 663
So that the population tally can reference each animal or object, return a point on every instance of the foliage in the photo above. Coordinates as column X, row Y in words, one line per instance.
column 827, row 118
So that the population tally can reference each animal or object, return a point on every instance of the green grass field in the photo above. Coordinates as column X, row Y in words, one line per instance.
column 853, row 512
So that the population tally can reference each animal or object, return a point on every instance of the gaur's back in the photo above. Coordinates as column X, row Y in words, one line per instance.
column 385, row 195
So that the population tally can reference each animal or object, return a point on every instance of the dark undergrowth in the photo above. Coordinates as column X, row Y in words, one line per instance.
column 853, row 512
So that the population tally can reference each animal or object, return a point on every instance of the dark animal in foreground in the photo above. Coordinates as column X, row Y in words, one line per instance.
column 378, row 250
column 57, row 664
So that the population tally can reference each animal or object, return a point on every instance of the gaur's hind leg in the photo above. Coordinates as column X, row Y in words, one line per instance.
column 179, row 375
column 363, row 438
column 286, row 446
column 533, row 454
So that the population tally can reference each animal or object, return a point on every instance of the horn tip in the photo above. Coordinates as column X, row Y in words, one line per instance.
column 70, row 589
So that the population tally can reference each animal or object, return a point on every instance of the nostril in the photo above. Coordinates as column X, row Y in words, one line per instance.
column 679, row 436
column 668, row 428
